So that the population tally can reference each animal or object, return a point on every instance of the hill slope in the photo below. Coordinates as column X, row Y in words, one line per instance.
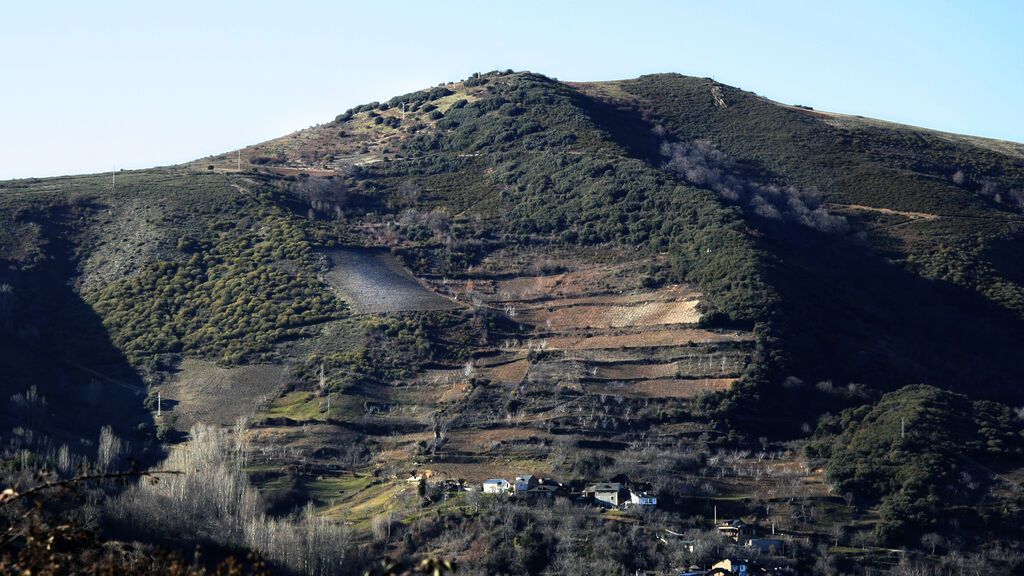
column 514, row 274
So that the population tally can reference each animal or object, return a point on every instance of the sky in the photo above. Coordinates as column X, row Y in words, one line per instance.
column 92, row 86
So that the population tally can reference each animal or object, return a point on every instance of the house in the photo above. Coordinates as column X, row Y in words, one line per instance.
column 767, row 545
column 735, row 566
column 497, row 486
column 642, row 499
column 542, row 492
column 524, row 483
column 735, row 529
column 452, row 486
column 610, row 494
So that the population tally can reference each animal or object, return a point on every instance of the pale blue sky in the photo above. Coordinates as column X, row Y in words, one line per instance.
column 91, row 85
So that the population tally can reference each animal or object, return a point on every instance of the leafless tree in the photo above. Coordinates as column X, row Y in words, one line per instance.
column 109, row 449
column 932, row 541
column 213, row 499
column 382, row 524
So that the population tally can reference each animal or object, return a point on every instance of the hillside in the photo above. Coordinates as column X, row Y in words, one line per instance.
column 663, row 279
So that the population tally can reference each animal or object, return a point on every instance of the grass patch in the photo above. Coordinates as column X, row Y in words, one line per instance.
column 298, row 406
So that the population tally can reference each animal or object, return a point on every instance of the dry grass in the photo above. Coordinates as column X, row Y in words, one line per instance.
column 485, row 440
column 506, row 468
column 454, row 392
column 202, row 392
column 654, row 338
column 664, row 388
column 511, row 372
column 887, row 211
column 637, row 371
column 614, row 316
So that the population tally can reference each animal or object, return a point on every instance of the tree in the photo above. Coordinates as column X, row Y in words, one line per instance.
column 109, row 449
column 932, row 541
column 382, row 526
column 837, row 532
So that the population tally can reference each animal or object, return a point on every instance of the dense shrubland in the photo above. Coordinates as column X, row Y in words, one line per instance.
column 926, row 454
column 232, row 294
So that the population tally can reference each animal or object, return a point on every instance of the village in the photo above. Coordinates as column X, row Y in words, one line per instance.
column 623, row 494
column 604, row 494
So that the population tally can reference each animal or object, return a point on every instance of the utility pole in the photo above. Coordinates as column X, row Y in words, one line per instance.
column 113, row 177
column 403, row 111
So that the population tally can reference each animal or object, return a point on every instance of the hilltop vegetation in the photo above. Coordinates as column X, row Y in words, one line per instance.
column 562, row 176
column 923, row 451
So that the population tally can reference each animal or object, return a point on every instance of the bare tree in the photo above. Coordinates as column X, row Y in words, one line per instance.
column 213, row 498
column 382, row 526
column 932, row 541
column 64, row 464
column 109, row 449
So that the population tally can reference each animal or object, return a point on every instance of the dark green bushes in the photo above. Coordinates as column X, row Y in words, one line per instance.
column 562, row 176
column 920, row 450
column 226, row 298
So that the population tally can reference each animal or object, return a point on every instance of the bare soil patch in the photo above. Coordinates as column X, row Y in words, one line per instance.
column 373, row 282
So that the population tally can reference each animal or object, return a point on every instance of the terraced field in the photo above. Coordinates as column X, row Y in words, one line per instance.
column 665, row 388
column 645, row 339
column 584, row 358
column 599, row 332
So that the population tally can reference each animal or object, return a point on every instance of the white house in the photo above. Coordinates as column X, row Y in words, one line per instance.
column 642, row 499
column 497, row 486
